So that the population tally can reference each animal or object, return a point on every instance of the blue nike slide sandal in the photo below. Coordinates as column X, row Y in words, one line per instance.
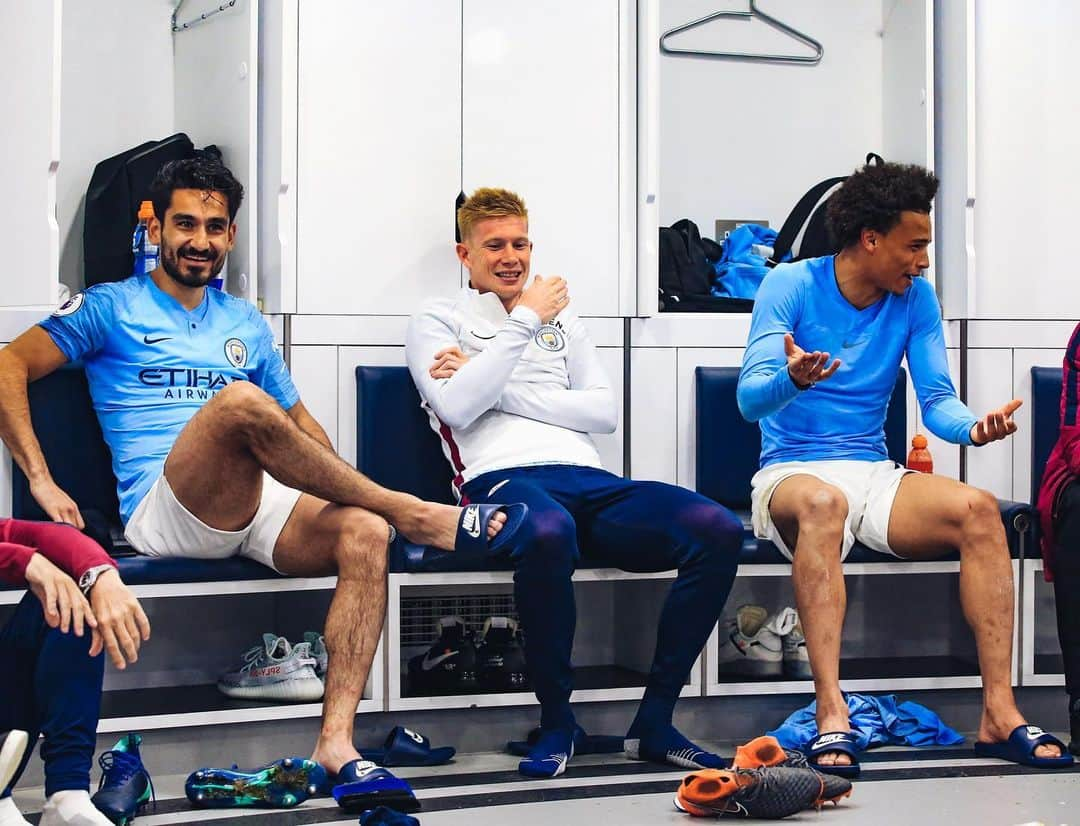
column 842, row 742
column 1020, row 748
column 404, row 747
column 363, row 785
column 583, row 743
column 383, row 816
column 473, row 523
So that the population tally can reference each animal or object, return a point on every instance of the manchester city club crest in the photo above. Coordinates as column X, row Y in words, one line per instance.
column 236, row 352
column 550, row 338
column 72, row 305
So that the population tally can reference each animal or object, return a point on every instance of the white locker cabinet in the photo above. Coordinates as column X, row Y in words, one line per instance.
column 400, row 107
column 30, row 37
column 379, row 155
column 540, row 104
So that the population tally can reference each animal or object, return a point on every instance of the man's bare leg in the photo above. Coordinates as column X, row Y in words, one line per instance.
column 319, row 539
column 214, row 469
column 810, row 516
column 932, row 514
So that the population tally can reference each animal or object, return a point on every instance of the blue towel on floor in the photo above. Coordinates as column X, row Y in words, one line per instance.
column 875, row 721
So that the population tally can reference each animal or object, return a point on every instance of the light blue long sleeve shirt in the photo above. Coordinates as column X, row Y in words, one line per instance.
column 843, row 417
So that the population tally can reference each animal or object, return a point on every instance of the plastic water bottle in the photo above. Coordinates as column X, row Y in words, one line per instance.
column 146, row 253
column 919, row 458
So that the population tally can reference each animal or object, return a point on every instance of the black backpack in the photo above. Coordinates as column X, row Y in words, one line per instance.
column 119, row 184
column 686, row 272
column 815, row 241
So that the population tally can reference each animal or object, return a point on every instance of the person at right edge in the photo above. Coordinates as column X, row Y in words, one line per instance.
column 1059, row 517
column 826, row 480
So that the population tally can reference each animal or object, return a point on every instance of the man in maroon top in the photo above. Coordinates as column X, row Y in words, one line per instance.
column 1059, row 516
column 76, row 607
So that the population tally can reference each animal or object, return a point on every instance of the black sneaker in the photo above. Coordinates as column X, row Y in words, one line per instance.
column 769, row 794
column 763, row 752
column 500, row 656
column 449, row 665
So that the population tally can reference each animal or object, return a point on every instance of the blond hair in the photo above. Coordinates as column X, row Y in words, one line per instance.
column 489, row 202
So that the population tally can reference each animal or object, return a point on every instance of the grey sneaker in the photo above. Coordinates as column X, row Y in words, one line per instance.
column 317, row 643
column 274, row 671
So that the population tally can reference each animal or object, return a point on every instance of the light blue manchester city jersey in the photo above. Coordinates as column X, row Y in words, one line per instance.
column 151, row 365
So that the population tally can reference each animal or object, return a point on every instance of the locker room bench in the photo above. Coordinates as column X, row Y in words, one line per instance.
column 938, row 651
column 1040, row 657
column 236, row 599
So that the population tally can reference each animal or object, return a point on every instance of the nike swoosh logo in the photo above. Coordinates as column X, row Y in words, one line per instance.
column 484, row 338
column 429, row 663
column 148, row 340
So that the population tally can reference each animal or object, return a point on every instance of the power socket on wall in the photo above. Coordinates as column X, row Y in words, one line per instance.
column 726, row 225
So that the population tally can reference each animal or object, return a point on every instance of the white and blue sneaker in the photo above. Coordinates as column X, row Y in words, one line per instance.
column 274, row 670
column 317, row 644
column 751, row 644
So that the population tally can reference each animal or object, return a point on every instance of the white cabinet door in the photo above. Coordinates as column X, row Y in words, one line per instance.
column 379, row 155
column 223, row 55
column 541, row 117
column 30, row 152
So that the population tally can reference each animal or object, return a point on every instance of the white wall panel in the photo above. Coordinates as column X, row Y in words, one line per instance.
column 908, row 81
column 954, row 155
column 278, row 44
column 1023, row 361
column 379, row 155
column 610, row 445
column 946, row 456
column 541, row 117
column 216, row 81
column 654, row 413
column 688, row 360
column 990, row 385
column 30, row 38
column 314, row 371
column 1027, row 161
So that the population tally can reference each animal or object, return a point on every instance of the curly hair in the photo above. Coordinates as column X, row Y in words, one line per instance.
column 488, row 202
column 873, row 198
column 204, row 172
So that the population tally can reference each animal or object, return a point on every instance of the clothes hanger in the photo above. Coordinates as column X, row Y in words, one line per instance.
column 754, row 11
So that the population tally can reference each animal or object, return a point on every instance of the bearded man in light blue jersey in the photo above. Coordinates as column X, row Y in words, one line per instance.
column 212, row 448
column 826, row 479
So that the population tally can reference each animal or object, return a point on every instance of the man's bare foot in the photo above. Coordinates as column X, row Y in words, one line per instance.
column 437, row 525
column 996, row 728
column 833, row 721
column 332, row 756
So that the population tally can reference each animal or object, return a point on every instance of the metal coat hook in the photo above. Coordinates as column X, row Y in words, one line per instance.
column 754, row 11
column 179, row 27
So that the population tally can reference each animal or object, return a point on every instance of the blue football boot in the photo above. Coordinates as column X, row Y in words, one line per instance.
column 125, row 787
column 362, row 785
column 281, row 784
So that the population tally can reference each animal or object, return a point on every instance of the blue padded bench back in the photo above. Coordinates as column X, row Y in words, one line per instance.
column 729, row 447
column 1045, row 420
column 74, row 449
column 395, row 445
column 79, row 460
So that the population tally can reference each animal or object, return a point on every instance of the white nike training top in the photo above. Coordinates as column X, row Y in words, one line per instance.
column 529, row 395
